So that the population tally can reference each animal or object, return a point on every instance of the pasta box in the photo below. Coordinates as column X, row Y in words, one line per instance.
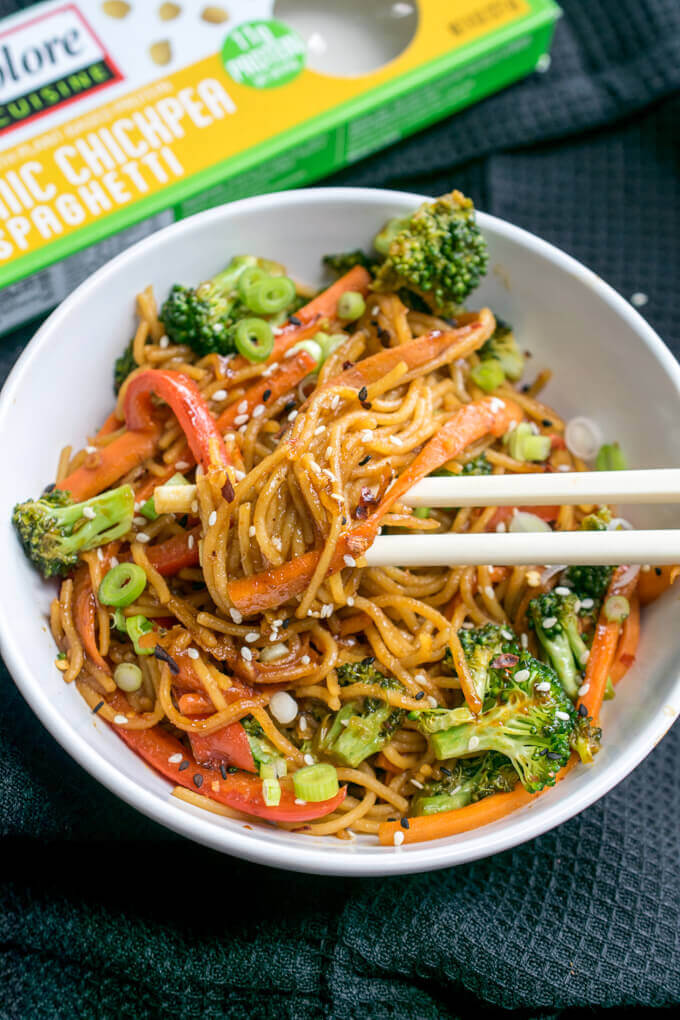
column 117, row 118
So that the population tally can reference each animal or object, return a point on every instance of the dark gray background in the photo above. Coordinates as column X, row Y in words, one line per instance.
column 93, row 917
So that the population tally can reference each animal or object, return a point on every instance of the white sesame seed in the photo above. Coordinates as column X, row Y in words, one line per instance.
column 90, row 449
column 89, row 512
column 164, row 341
column 501, row 527
column 246, row 654
column 488, row 591
column 212, row 519
column 298, row 800
column 252, row 530
column 192, row 653
column 242, row 407
column 350, row 600
column 305, row 660
column 375, row 310
column 349, row 561
column 467, row 625
column 335, row 401
column 175, row 759
column 418, row 785
column 521, row 675
column 507, row 634
column 326, row 610
column 113, row 562
column 543, row 686
column 219, row 395
column 367, row 435
column 473, row 743
column 283, row 707
column 549, row 621
column 397, row 441
column 584, row 657
column 194, row 507
column 302, row 723
column 240, row 419
column 320, row 430
column 235, row 615
column 524, row 640
column 639, row 299
column 315, row 467
column 292, row 416
column 587, row 603
column 138, row 519
column 253, row 635
column 142, row 537
column 432, row 702
column 190, row 542
column 182, row 465
column 562, row 715
column 561, row 590
column 120, row 720
column 583, row 689
column 258, row 410
column 239, row 475
column 309, row 759
column 398, row 837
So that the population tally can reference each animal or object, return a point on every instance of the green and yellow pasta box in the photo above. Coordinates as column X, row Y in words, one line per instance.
column 117, row 118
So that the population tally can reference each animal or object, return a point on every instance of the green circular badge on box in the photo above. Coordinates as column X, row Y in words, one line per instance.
column 263, row 54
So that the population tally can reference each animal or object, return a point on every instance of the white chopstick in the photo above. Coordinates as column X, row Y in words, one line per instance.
column 661, row 485
column 517, row 549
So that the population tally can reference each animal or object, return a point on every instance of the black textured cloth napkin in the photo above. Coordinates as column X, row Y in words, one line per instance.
column 97, row 916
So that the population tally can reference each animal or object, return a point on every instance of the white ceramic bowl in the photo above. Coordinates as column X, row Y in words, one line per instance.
column 608, row 364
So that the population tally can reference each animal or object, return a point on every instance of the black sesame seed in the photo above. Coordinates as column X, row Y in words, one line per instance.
column 183, row 765
column 364, row 460
column 289, row 406
column 287, row 622
column 50, row 488
column 160, row 653
column 223, row 770
column 384, row 336
column 546, row 423
column 582, row 711
column 391, row 819
column 553, row 756
column 198, row 781
column 374, row 323
column 363, row 393
column 447, row 772
column 404, row 823
column 294, row 319
column 526, row 387
column 658, row 571
column 419, row 695
column 366, row 404
column 266, row 395
column 97, row 707
column 368, row 661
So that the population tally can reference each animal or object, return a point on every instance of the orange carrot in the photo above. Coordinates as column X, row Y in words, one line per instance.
column 627, row 647
column 112, row 424
column 195, row 703
column 108, row 464
column 468, row 424
column 604, row 644
column 654, row 582
column 450, row 823
column 289, row 373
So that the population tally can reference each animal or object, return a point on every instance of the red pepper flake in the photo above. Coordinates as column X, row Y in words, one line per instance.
column 346, row 365
column 505, row 661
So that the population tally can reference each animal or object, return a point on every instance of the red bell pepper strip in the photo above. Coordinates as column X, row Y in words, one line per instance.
column 469, row 423
column 187, row 403
column 239, row 791
column 175, row 553
column 84, row 610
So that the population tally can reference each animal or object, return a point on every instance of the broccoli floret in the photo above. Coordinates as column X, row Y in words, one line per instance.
column 530, row 721
column 344, row 261
column 589, row 582
column 489, row 651
column 361, row 727
column 54, row 530
column 437, row 253
column 122, row 367
column 263, row 751
column 597, row 521
column 503, row 346
column 465, row 781
column 555, row 620
column 478, row 466
column 204, row 317
column 585, row 737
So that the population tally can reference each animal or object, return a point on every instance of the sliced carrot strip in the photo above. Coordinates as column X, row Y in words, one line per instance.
column 108, row 464
column 654, row 582
column 605, row 642
column 627, row 647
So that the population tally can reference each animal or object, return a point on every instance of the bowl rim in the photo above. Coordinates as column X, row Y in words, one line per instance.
column 303, row 856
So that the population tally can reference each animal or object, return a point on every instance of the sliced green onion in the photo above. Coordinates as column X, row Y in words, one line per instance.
column 273, row 769
column 122, row 585
column 254, row 339
column 423, row 512
column 136, row 627
column 351, row 306
column 523, row 523
column 316, row 782
column 270, row 295
column 312, row 347
column 128, row 676
column 248, row 280
column 328, row 344
column 118, row 621
column 488, row 375
column 524, row 444
column 610, row 457
column 271, row 792
column 616, row 608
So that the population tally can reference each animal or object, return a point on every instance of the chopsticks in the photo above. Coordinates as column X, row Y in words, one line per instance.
column 536, row 547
